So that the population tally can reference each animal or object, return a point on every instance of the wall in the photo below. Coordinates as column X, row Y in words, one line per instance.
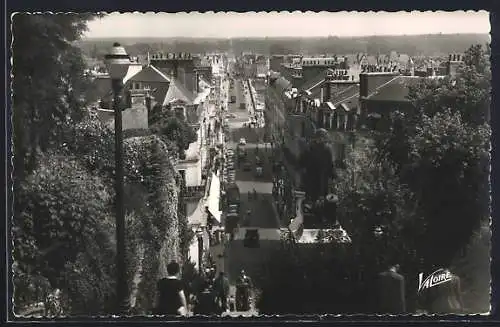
column 192, row 170
column 135, row 117
column 275, row 112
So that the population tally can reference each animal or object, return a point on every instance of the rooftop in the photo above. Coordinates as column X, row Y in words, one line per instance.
column 178, row 92
column 396, row 89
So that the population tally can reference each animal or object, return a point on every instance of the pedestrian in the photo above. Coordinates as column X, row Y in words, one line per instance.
column 391, row 292
column 243, row 287
column 222, row 289
column 445, row 298
column 171, row 297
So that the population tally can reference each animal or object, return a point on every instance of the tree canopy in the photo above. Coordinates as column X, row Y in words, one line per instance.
column 415, row 195
column 63, row 224
column 173, row 130
column 48, row 82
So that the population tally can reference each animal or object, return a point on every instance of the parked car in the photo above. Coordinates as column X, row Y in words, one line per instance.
column 242, row 141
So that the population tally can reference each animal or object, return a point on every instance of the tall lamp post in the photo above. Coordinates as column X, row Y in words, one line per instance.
column 117, row 62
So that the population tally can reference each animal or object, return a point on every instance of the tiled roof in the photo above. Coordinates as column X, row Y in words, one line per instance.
column 150, row 74
column 395, row 90
column 177, row 91
column 314, row 82
column 349, row 96
column 160, row 92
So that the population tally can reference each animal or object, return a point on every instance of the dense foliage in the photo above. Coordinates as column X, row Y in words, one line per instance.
column 173, row 130
column 317, row 166
column 423, row 185
column 63, row 224
column 63, row 234
column 441, row 151
column 48, row 82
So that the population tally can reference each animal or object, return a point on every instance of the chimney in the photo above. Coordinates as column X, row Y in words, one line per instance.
column 197, row 81
column 363, row 84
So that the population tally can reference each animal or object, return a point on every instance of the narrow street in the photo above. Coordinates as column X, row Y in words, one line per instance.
column 256, row 202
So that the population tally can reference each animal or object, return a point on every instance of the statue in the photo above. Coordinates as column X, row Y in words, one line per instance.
column 317, row 165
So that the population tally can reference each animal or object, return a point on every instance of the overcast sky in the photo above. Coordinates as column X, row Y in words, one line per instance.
column 287, row 24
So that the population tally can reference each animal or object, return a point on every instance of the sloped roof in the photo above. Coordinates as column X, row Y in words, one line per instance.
column 315, row 81
column 150, row 74
column 395, row 90
column 159, row 92
column 349, row 94
column 177, row 91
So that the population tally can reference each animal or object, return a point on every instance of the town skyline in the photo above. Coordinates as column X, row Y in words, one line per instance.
column 284, row 24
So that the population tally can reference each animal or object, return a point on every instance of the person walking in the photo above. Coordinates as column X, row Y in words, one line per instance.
column 171, row 297
column 391, row 292
column 222, row 289
column 445, row 298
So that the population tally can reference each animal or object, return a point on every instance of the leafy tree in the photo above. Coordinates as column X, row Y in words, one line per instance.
column 441, row 152
column 48, row 82
column 64, row 222
column 172, row 129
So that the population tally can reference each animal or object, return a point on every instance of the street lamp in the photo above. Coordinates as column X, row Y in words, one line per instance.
column 378, row 232
column 118, row 62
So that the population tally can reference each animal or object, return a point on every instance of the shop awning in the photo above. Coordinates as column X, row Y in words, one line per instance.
column 199, row 216
column 213, row 199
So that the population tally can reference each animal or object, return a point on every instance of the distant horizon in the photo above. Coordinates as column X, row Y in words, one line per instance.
column 233, row 25
column 275, row 37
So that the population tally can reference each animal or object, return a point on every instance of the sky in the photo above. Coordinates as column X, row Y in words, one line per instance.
column 275, row 24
